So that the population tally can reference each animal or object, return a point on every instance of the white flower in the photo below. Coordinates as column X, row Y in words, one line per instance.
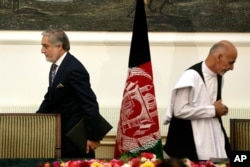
column 143, row 159
column 125, row 165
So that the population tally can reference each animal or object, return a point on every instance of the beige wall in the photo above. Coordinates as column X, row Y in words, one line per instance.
column 24, row 70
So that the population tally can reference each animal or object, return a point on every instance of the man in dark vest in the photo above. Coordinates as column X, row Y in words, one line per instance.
column 196, row 107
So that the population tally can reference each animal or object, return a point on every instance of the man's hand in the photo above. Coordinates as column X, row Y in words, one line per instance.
column 92, row 145
column 220, row 109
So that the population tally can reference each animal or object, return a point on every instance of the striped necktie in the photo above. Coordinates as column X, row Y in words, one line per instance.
column 53, row 73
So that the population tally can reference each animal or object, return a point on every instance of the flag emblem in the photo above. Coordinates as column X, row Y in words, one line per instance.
column 138, row 129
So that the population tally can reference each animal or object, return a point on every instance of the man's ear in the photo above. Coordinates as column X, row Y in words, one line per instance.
column 60, row 46
column 219, row 57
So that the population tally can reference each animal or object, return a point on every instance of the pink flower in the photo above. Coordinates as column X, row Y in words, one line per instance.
column 56, row 164
column 202, row 164
column 66, row 164
column 106, row 164
column 116, row 163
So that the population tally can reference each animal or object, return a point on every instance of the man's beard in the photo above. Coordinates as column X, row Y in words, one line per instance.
column 49, row 59
column 222, row 73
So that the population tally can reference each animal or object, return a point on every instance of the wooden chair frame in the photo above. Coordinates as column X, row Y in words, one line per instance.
column 30, row 135
column 240, row 134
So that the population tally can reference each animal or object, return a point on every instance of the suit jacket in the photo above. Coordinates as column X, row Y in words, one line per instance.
column 71, row 96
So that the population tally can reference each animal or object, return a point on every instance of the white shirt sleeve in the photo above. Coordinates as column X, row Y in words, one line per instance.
column 184, row 110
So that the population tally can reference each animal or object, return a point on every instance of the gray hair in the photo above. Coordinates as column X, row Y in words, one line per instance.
column 219, row 45
column 57, row 37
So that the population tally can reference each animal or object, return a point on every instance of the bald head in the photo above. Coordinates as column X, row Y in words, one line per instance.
column 221, row 57
column 222, row 46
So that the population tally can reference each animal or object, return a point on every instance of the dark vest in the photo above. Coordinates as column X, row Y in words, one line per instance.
column 180, row 141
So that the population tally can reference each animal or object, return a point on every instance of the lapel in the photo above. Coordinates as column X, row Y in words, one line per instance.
column 60, row 70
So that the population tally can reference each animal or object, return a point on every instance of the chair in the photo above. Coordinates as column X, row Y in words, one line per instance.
column 240, row 134
column 24, row 135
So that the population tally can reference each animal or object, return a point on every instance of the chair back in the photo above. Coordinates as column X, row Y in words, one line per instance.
column 240, row 134
column 24, row 135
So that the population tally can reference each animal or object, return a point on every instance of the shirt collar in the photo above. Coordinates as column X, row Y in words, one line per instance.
column 206, row 70
column 59, row 61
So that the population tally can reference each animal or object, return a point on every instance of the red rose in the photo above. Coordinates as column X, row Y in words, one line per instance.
column 84, row 164
column 147, row 155
column 135, row 162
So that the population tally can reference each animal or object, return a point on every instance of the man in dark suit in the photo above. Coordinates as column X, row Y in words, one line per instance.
column 69, row 93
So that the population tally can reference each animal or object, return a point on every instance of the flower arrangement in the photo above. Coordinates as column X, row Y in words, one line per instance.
column 207, row 163
column 145, row 159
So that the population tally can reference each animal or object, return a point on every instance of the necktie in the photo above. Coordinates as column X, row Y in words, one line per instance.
column 53, row 73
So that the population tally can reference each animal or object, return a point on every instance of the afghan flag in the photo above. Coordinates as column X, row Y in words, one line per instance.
column 138, row 128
